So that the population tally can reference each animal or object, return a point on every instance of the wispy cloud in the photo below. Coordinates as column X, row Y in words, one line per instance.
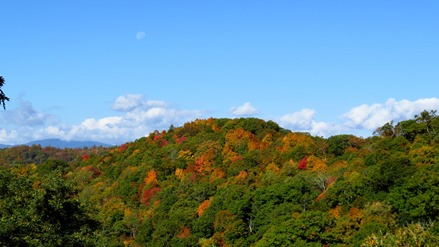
column 129, row 102
column 18, row 124
column 245, row 110
column 25, row 115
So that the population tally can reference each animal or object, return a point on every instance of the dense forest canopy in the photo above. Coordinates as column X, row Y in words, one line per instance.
column 228, row 182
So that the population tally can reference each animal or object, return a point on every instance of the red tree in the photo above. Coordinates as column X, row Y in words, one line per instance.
column 303, row 163
column 148, row 194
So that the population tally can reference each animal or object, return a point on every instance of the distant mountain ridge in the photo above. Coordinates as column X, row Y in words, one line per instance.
column 58, row 143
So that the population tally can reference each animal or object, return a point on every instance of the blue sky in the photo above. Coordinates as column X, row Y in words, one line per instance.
column 114, row 71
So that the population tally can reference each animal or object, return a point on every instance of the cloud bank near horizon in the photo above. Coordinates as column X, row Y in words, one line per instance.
column 360, row 118
column 136, row 116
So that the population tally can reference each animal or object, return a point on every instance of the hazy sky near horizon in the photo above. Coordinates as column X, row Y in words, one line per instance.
column 114, row 71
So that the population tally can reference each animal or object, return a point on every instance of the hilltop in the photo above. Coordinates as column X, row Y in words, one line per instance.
column 237, row 182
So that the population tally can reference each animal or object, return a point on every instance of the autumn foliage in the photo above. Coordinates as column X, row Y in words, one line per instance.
column 151, row 178
column 203, row 206
column 303, row 163
column 148, row 194
column 228, row 182
column 184, row 232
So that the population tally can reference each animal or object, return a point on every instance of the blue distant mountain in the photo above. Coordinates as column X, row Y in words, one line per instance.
column 57, row 143
column 5, row 146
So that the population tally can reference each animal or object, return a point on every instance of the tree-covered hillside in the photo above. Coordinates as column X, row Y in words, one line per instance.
column 228, row 182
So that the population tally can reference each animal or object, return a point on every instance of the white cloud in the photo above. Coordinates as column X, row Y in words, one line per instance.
column 53, row 131
column 20, row 124
column 245, row 110
column 129, row 126
column 360, row 120
column 8, row 136
column 128, row 102
column 140, row 35
column 137, row 117
column 373, row 116
column 328, row 129
column 139, row 121
column 303, row 121
column 300, row 120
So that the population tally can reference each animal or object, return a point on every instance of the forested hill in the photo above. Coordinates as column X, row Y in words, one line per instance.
column 229, row 182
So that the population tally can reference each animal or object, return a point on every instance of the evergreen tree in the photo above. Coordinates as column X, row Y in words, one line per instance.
column 3, row 97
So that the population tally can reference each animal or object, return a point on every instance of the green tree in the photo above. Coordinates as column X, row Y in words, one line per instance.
column 309, row 229
column 417, row 199
column 3, row 97
column 37, row 213
column 425, row 119
column 393, row 171
column 410, row 235
column 387, row 130
column 338, row 144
